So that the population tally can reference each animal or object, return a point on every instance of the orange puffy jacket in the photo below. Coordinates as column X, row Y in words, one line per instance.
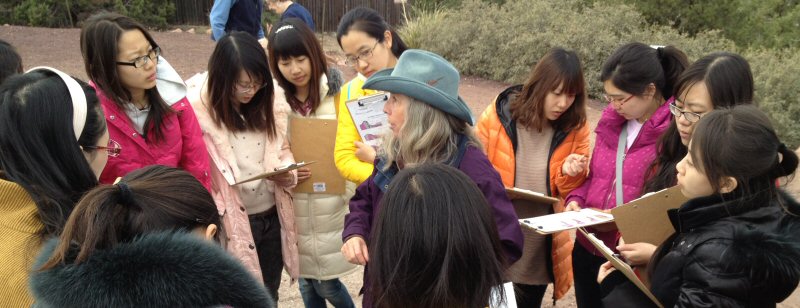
column 495, row 128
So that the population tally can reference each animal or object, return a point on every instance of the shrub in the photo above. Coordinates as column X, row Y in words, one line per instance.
column 61, row 13
column 777, row 76
column 503, row 42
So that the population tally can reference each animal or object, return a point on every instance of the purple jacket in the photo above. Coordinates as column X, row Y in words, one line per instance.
column 366, row 203
column 599, row 190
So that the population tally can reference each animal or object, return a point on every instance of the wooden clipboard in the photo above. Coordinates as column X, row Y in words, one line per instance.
column 313, row 140
column 620, row 265
column 277, row 171
column 535, row 197
column 645, row 219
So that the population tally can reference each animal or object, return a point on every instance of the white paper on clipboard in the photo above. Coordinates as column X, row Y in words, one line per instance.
column 368, row 116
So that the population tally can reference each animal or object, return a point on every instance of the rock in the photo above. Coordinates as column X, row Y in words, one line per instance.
column 190, row 31
column 176, row 30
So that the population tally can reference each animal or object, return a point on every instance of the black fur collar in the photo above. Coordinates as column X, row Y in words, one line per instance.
column 155, row 270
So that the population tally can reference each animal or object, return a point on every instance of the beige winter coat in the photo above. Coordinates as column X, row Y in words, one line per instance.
column 320, row 219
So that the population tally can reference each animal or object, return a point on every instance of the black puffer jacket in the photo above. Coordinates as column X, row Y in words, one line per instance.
column 155, row 270
column 736, row 253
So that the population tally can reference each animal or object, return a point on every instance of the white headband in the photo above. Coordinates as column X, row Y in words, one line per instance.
column 79, row 105
column 284, row 28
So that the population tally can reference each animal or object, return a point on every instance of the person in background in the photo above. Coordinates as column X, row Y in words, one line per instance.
column 10, row 61
column 53, row 147
column 120, row 57
column 455, row 262
column 370, row 45
column 289, row 9
column 638, row 80
column 244, row 118
column 237, row 15
column 146, row 241
column 429, row 123
column 311, row 88
column 536, row 136
column 735, row 242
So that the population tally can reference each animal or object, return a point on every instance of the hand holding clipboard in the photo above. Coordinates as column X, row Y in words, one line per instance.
column 277, row 171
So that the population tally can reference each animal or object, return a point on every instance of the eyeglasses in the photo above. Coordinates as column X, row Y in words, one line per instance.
column 143, row 60
column 247, row 87
column 112, row 150
column 688, row 115
column 612, row 100
column 352, row 60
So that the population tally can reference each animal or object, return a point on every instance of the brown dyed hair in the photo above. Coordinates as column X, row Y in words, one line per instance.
column 236, row 52
column 295, row 39
column 99, row 39
column 557, row 67
column 151, row 199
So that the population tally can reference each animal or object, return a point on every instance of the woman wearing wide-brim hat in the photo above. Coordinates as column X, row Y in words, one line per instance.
column 429, row 123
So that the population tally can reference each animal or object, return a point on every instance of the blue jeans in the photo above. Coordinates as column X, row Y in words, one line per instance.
column 315, row 292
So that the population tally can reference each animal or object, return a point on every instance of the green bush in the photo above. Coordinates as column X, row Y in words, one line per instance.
column 777, row 77
column 69, row 13
column 764, row 23
column 503, row 42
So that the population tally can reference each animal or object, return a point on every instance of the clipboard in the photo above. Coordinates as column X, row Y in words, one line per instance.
column 313, row 140
column 549, row 224
column 620, row 265
column 519, row 193
column 645, row 219
column 368, row 117
column 280, row 170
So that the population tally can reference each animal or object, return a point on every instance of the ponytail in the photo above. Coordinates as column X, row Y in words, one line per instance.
column 633, row 66
column 673, row 62
column 787, row 163
column 154, row 198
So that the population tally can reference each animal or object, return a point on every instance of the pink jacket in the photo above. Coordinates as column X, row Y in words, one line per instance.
column 182, row 146
column 237, row 238
column 599, row 190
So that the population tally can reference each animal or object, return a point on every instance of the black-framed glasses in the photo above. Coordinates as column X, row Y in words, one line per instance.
column 688, row 115
column 247, row 87
column 352, row 60
column 143, row 60
column 112, row 150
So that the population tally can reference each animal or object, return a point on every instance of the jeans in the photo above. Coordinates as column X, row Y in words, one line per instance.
column 585, row 266
column 315, row 292
column 266, row 230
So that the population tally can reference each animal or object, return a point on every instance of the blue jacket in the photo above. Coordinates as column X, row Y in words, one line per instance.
column 235, row 15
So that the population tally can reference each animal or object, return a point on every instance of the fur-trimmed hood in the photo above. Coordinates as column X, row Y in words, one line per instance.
column 155, row 270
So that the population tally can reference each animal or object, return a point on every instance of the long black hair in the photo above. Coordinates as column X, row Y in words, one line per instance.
column 435, row 243
column 370, row 22
column 235, row 52
column 38, row 149
column 100, row 37
column 729, row 81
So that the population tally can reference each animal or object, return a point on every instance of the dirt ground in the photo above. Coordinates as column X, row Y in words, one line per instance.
column 189, row 53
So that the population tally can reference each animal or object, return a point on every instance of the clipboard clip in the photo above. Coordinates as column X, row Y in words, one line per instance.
column 385, row 98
